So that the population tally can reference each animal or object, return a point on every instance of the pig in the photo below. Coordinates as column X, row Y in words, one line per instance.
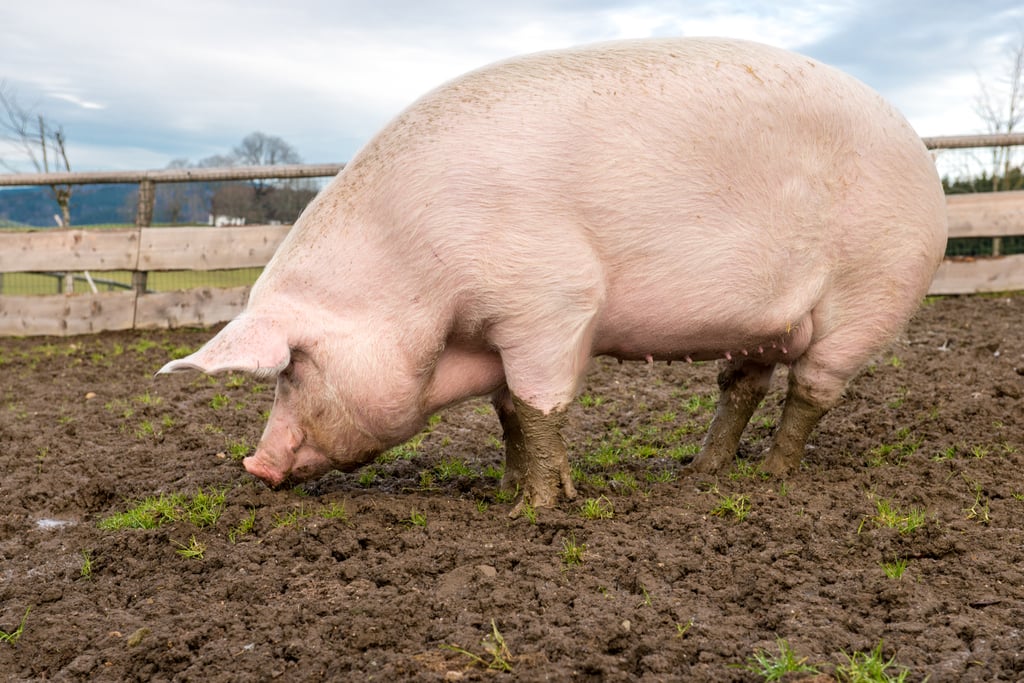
column 686, row 199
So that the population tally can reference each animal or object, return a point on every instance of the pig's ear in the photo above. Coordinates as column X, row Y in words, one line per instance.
column 255, row 345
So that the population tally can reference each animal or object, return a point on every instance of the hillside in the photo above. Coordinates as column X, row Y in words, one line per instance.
column 92, row 205
column 89, row 205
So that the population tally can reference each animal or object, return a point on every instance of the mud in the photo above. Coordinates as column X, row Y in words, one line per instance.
column 424, row 565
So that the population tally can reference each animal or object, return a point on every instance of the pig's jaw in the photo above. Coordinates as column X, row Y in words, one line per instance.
column 300, row 465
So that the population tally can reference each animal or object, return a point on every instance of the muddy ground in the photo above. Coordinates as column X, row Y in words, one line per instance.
column 404, row 570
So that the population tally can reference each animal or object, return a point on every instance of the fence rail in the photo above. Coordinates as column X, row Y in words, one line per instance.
column 142, row 249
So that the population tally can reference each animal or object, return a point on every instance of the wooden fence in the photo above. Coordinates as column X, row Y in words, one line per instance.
column 143, row 249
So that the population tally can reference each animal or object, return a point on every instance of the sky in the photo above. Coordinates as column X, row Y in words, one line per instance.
column 138, row 83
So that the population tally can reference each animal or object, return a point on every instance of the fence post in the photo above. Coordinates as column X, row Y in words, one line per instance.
column 143, row 219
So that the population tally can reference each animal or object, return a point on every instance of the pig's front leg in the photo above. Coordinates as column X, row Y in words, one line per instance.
column 536, row 459
column 743, row 385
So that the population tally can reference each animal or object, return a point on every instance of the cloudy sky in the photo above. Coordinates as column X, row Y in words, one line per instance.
column 138, row 83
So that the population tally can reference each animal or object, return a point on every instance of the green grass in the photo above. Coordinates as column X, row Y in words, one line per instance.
column 193, row 550
column 699, row 403
column 746, row 469
column 904, row 446
column 498, row 657
column 25, row 284
column 292, row 517
column 572, row 552
column 244, row 527
column 417, row 518
column 205, row 508
column 453, row 468
column 86, row 569
column 334, row 511
column 979, row 510
column 775, row 667
column 597, row 508
column 12, row 637
column 871, row 667
column 201, row 510
column 506, row 496
column 737, row 506
column 896, row 568
column 366, row 477
column 238, row 450
column 889, row 516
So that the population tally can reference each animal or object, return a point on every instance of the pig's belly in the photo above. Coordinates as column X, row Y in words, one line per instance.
column 652, row 333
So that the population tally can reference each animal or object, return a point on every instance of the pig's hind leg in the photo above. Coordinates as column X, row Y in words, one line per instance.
column 802, row 411
column 816, row 383
column 743, row 384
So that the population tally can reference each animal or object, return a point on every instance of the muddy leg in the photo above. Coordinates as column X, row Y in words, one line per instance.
column 512, row 435
column 544, row 463
column 799, row 417
column 743, row 386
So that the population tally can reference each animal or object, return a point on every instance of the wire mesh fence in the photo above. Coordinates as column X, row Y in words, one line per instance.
column 84, row 282
column 985, row 246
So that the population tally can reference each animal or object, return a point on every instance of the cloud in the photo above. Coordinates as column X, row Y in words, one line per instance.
column 77, row 101
column 192, row 77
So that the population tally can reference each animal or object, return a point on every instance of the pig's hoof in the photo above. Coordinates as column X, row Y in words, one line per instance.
column 543, row 494
column 778, row 466
column 706, row 463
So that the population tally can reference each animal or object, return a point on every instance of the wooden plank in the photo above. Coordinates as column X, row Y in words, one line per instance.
column 962, row 276
column 62, row 315
column 189, row 308
column 986, row 214
column 172, row 175
column 968, row 141
column 249, row 246
column 48, row 250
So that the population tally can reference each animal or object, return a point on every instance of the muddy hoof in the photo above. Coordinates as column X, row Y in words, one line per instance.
column 542, row 496
column 778, row 466
column 706, row 463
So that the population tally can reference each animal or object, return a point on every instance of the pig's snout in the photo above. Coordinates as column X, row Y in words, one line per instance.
column 302, row 464
column 262, row 467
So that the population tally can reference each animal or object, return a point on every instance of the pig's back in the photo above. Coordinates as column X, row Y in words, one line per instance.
column 680, row 168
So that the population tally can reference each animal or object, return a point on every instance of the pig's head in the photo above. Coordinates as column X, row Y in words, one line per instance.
column 327, row 412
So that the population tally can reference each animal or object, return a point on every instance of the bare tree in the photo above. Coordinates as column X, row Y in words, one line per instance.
column 1003, row 112
column 260, row 149
column 181, row 202
column 41, row 141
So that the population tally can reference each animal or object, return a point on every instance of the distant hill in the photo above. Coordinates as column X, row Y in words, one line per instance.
column 90, row 204
column 100, row 204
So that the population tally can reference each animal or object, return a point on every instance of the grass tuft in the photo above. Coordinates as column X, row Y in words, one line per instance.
column 202, row 510
column 871, row 667
column 572, row 552
column 193, row 550
column 737, row 506
column 889, row 516
column 895, row 569
column 497, row 658
column 244, row 527
column 775, row 667
column 12, row 637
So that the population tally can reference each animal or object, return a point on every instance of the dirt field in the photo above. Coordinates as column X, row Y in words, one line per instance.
column 403, row 570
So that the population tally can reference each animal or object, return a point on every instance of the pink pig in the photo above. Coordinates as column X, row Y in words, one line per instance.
column 681, row 199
